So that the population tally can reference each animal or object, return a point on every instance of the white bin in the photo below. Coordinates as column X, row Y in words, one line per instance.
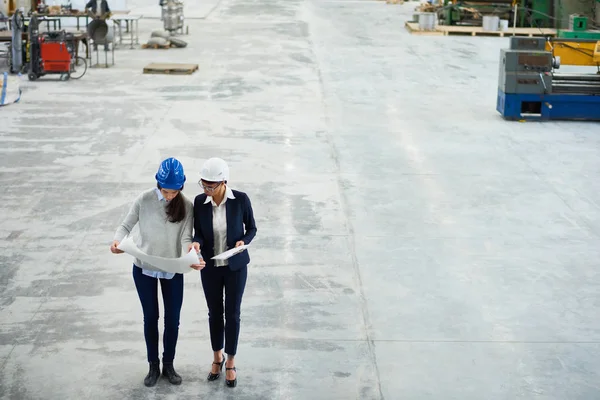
column 490, row 23
column 427, row 21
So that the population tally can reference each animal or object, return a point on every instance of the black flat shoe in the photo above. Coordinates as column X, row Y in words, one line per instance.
column 232, row 383
column 153, row 374
column 169, row 373
column 214, row 377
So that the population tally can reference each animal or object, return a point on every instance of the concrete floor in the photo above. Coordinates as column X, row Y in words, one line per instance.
column 411, row 244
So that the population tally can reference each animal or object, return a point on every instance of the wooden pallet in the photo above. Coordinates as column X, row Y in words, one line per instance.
column 170, row 69
column 156, row 46
column 447, row 30
column 413, row 28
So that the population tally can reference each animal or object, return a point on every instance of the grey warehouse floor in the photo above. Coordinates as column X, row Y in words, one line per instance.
column 411, row 244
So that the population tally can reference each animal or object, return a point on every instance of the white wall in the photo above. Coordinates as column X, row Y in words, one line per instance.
column 112, row 4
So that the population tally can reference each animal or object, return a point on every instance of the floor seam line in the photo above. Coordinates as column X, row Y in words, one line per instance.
column 344, row 207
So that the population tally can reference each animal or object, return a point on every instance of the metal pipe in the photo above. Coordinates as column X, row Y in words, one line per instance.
column 592, row 89
column 577, row 85
column 515, row 21
column 576, row 77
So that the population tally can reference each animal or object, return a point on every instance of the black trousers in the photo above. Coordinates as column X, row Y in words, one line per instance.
column 172, row 293
column 215, row 281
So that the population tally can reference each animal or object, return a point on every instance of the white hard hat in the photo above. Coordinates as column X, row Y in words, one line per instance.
column 214, row 170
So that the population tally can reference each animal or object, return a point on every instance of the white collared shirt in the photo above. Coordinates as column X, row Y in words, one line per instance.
column 220, row 224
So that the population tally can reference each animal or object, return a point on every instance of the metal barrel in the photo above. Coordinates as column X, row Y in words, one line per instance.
column 97, row 30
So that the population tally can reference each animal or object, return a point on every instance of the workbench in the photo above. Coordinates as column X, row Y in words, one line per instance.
column 41, row 19
column 56, row 19
column 131, row 27
column 6, row 36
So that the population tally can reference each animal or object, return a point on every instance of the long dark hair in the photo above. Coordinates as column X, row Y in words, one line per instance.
column 175, row 208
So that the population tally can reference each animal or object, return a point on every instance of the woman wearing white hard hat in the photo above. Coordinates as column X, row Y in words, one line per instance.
column 165, row 219
column 223, row 219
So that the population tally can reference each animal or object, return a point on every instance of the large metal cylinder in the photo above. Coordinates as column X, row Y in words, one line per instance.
column 179, row 13
column 97, row 30
column 172, row 15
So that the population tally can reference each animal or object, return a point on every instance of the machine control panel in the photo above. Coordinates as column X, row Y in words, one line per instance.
column 521, row 43
column 526, row 83
column 526, row 61
column 525, row 71
column 534, row 62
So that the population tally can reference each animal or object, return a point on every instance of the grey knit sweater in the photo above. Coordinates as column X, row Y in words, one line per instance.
column 155, row 235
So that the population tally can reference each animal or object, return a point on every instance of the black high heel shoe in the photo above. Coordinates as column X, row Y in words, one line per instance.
column 214, row 377
column 231, row 383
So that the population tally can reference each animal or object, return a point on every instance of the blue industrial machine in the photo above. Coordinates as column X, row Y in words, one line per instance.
column 529, row 88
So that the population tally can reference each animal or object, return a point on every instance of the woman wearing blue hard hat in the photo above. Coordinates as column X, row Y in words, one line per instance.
column 223, row 219
column 165, row 217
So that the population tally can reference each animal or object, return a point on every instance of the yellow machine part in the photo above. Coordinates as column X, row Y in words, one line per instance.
column 574, row 52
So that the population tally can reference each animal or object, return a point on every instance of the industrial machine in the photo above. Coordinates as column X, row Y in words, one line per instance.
column 172, row 15
column 53, row 53
column 579, row 28
column 529, row 88
column 530, row 13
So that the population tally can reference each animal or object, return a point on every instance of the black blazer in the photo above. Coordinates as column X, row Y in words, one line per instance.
column 239, row 216
column 93, row 5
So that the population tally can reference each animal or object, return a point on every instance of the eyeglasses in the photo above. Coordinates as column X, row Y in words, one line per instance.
column 209, row 188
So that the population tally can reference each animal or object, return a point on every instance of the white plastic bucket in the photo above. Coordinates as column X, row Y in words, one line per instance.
column 427, row 21
column 503, row 25
column 490, row 23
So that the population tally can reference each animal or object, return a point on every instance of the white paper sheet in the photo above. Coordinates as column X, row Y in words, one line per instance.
column 230, row 253
column 179, row 265
column 10, row 89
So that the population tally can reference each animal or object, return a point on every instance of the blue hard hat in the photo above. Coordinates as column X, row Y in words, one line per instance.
column 170, row 174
